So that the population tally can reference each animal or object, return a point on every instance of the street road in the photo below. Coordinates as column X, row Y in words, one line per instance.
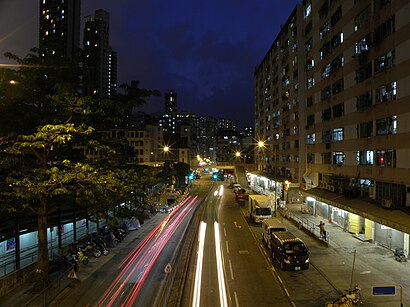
column 135, row 273
column 246, row 277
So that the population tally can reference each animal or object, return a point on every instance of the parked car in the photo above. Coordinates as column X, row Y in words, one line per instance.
column 289, row 251
column 236, row 187
column 242, row 193
column 231, row 184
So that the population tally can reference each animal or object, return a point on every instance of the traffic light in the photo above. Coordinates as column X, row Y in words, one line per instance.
column 191, row 176
column 215, row 176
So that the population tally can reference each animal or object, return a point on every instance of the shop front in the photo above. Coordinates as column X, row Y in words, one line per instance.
column 363, row 228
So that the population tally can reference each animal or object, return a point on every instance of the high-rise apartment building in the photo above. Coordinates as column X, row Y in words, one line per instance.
column 353, row 115
column 278, row 97
column 59, row 27
column 100, row 64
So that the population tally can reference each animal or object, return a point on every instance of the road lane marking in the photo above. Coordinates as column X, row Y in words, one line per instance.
column 230, row 267
column 236, row 299
column 227, row 247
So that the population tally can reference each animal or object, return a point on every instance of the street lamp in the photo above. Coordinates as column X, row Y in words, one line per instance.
column 262, row 145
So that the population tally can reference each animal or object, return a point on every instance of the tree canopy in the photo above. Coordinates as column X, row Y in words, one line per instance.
column 46, row 128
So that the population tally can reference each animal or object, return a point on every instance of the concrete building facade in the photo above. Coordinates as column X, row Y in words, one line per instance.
column 353, row 116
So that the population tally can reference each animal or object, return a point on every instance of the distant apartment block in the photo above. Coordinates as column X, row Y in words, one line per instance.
column 59, row 33
column 100, row 63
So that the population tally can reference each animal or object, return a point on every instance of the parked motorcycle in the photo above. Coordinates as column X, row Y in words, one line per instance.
column 399, row 255
column 119, row 233
column 349, row 298
column 78, row 254
column 100, row 244
column 89, row 247
column 355, row 295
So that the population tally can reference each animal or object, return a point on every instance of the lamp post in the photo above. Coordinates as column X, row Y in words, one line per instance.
column 261, row 146
column 275, row 177
column 238, row 155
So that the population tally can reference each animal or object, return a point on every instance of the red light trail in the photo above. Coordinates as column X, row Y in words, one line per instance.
column 138, row 264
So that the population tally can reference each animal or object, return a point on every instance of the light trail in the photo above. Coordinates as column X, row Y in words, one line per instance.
column 198, row 274
column 155, row 232
column 221, row 190
column 219, row 264
column 139, row 263
column 158, row 249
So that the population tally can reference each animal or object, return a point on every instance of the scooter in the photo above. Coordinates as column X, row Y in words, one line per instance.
column 79, row 255
column 100, row 243
column 349, row 298
column 399, row 255
column 355, row 295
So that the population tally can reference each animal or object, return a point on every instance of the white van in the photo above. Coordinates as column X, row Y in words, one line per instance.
column 268, row 227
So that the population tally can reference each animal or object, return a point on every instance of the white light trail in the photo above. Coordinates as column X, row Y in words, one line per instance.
column 198, row 273
column 221, row 190
column 221, row 275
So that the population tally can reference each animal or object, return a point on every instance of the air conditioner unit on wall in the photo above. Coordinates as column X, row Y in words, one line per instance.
column 387, row 203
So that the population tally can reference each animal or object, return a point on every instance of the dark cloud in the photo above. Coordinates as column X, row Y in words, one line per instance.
column 205, row 50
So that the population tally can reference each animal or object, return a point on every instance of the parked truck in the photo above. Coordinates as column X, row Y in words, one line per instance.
column 259, row 208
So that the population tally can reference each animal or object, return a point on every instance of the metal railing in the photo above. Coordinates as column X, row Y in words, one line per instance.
column 304, row 223
column 59, row 281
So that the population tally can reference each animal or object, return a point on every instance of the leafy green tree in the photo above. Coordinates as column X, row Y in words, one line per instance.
column 45, row 126
column 175, row 171
column 35, row 187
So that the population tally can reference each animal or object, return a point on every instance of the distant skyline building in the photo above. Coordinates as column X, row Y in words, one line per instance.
column 59, row 33
column 100, row 65
column 170, row 102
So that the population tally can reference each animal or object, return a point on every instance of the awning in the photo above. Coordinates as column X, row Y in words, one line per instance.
column 397, row 219
column 308, row 179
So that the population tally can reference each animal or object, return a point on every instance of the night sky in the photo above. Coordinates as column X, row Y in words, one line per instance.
column 206, row 51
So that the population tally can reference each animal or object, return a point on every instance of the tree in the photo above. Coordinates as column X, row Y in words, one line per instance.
column 45, row 127
column 36, row 186
column 175, row 172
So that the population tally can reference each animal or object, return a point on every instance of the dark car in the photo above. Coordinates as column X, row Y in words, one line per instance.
column 289, row 251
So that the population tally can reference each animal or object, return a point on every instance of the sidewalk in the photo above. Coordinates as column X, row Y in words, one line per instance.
column 373, row 264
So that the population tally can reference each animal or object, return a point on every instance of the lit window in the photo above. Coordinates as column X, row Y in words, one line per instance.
column 310, row 82
column 337, row 134
column 308, row 10
column 364, row 157
column 338, row 157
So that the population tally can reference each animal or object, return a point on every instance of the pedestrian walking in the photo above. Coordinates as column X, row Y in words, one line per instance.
column 322, row 230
